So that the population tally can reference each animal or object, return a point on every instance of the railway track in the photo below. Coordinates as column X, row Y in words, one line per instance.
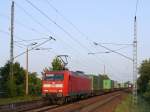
column 88, row 105
column 94, row 106
column 43, row 109
column 23, row 106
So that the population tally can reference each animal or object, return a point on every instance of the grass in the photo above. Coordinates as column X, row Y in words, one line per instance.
column 126, row 105
column 4, row 101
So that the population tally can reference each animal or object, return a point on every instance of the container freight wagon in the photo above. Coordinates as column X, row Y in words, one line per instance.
column 122, row 85
column 95, row 85
column 108, row 85
column 63, row 86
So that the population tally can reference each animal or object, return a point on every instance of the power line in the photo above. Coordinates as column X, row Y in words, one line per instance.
column 117, row 44
column 16, row 44
column 114, row 51
column 57, row 24
column 20, row 39
column 28, row 14
column 32, row 40
column 24, row 26
column 34, row 47
column 32, row 18
column 74, row 26
column 110, row 51
column 68, row 21
column 60, row 27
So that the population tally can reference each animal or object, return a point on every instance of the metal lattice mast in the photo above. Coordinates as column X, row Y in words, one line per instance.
column 135, row 70
column 11, row 48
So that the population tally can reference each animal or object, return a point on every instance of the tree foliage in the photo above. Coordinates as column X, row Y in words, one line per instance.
column 103, row 76
column 18, row 86
column 57, row 64
column 144, row 79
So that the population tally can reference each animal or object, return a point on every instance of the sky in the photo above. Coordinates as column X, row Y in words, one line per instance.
column 76, row 24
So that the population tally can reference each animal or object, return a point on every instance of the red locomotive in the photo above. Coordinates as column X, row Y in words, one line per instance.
column 64, row 86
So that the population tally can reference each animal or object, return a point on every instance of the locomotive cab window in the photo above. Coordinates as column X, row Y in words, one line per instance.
column 54, row 77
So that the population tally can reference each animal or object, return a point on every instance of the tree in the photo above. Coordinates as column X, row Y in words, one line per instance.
column 34, row 84
column 57, row 64
column 147, row 93
column 144, row 78
column 19, row 81
column 103, row 76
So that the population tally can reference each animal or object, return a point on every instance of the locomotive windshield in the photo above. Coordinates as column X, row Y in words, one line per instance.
column 54, row 77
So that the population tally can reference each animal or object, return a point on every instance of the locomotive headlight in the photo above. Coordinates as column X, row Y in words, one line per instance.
column 46, row 90
column 60, row 90
column 46, row 85
column 58, row 85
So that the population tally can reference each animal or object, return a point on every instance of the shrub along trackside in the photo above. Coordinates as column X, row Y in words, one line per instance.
column 126, row 105
column 144, row 80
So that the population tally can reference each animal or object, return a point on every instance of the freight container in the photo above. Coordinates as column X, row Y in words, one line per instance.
column 116, row 85
column 101, row 82
column 95, row 82
column 122, row 85
column 107, row 84
column 112, row 84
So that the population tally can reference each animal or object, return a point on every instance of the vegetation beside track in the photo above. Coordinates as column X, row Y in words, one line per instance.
column 126, row 105
column 4, row 101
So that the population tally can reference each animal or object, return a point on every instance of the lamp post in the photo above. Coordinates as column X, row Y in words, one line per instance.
column 26, row 83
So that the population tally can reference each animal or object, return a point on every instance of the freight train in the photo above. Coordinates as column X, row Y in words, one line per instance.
column 65, row 86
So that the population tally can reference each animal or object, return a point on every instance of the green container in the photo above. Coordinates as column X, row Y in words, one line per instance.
column 95, row 82
column 107, row 84
column 101, row 82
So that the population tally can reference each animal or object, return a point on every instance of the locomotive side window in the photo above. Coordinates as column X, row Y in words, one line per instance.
column 54, row 77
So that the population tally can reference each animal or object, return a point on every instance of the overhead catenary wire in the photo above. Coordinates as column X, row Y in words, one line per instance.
column 59, row 26
column 44, row 27
column 117, row 44
column 29, row 28
column 69, row 34
column 16, row 44
column 75, row 27
column 109, row 50
column 32, row 18
column 33, row 48
column 20, row 39
column 114, row 51
column 67, row 20
column 7, row 33
column 56, row 24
